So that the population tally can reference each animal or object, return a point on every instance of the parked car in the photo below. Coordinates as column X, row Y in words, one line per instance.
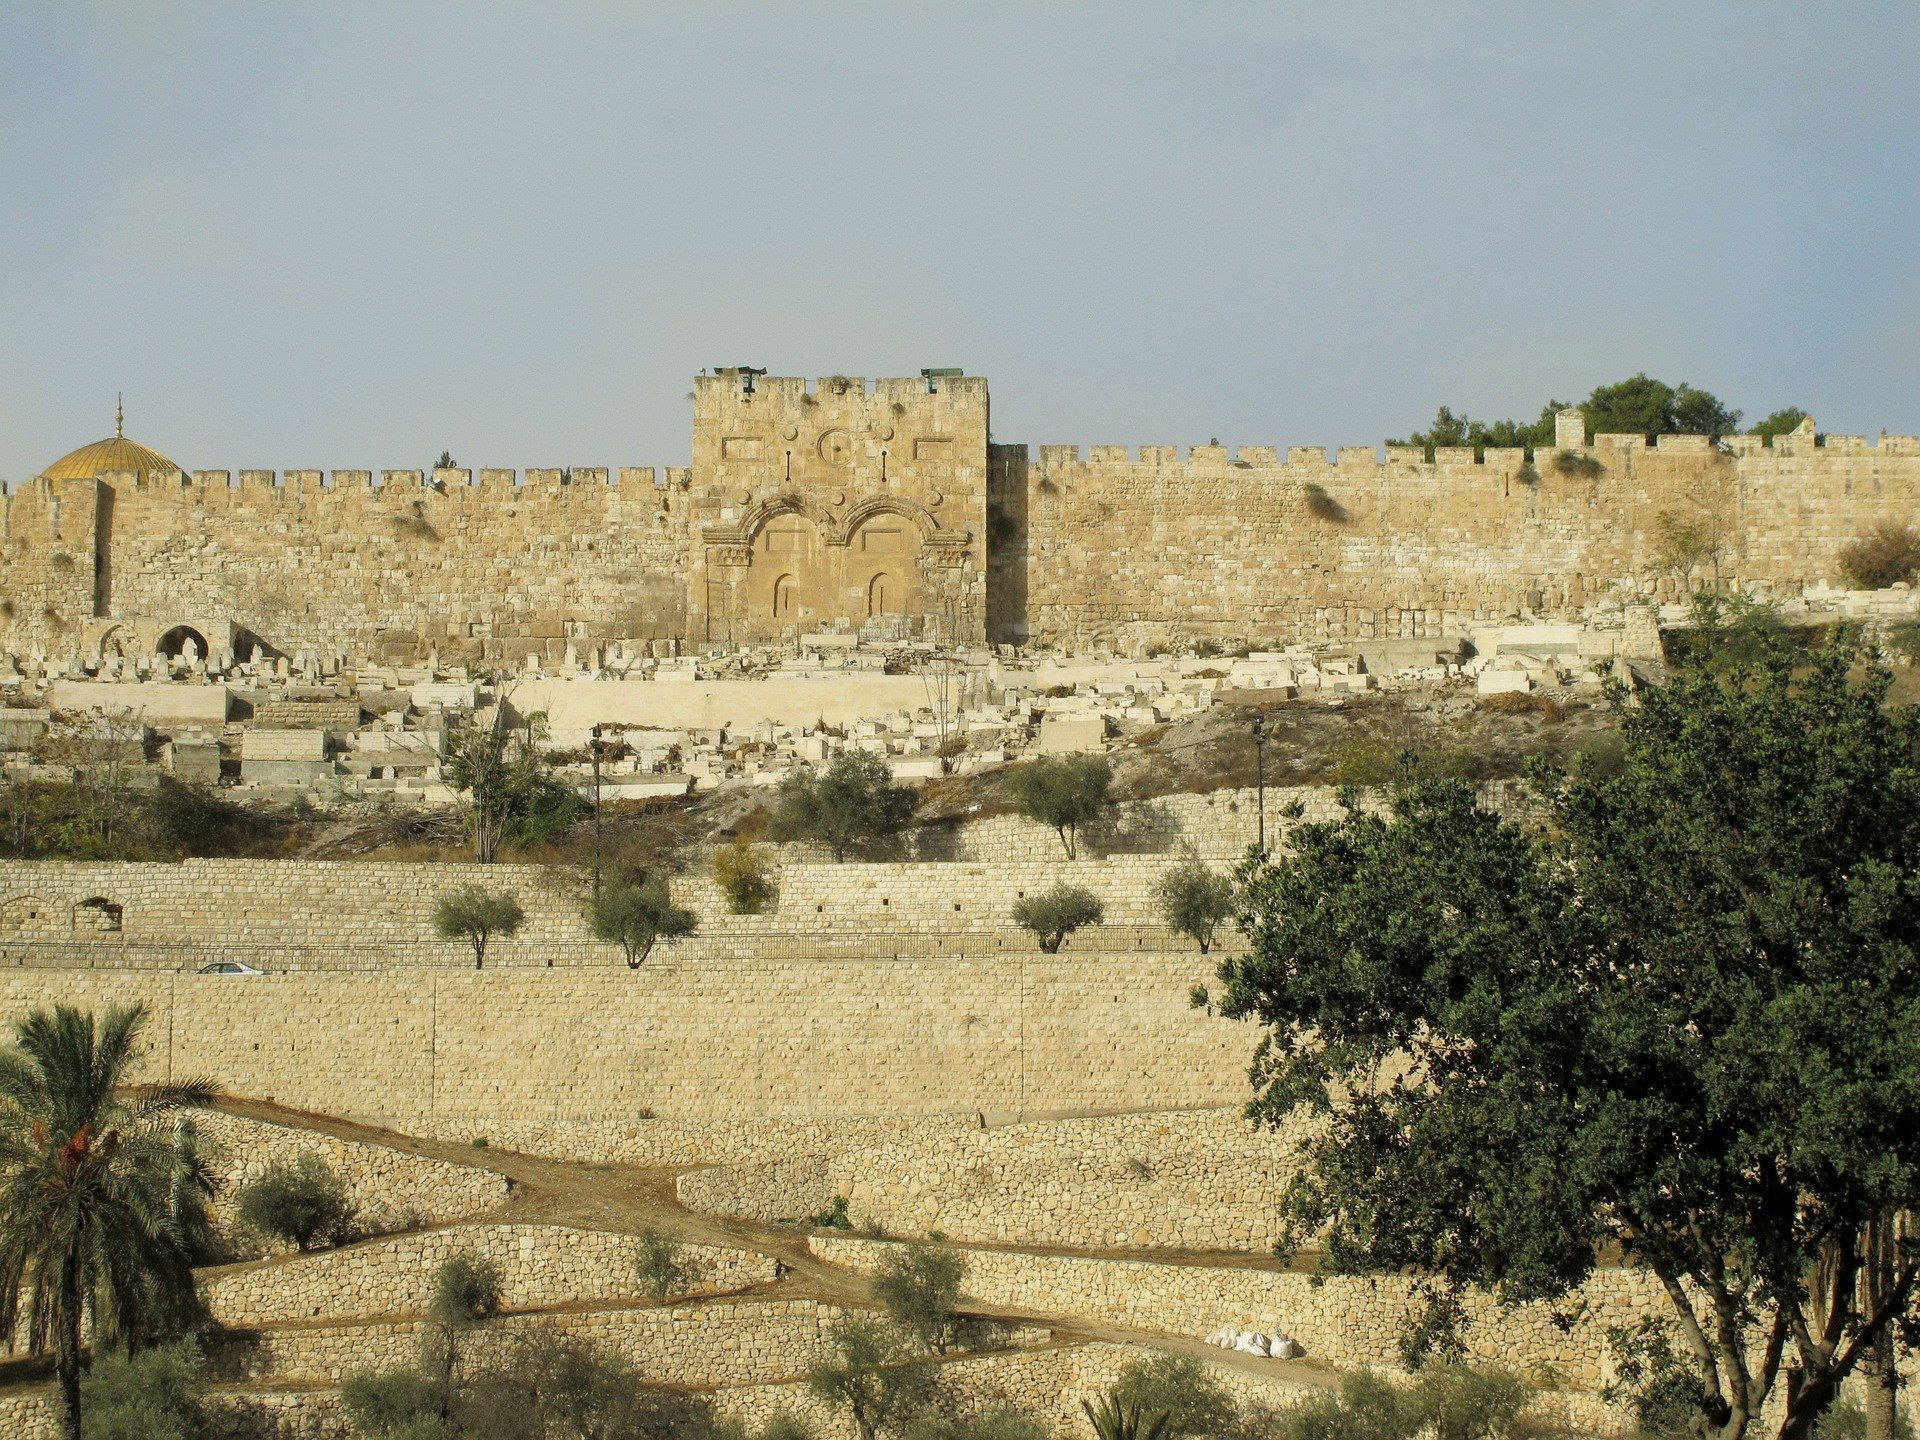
column 229, row 967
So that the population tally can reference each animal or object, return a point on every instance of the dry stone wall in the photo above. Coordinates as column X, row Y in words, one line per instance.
column 1341, row 1321
column 389, row 1189
column 1119, row 546
column 1187, row 1180
column 799, row 1039
column 707, row 1342
column 540, row 1266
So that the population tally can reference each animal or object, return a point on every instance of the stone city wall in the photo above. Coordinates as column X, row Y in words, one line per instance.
column 801, row 1039
column 540, row 1266
column 1185, row 1180
column 1118, row 545
column 389, row 1189
column 851, row 501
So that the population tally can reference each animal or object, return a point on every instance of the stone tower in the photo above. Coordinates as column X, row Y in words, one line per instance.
column 843, row 506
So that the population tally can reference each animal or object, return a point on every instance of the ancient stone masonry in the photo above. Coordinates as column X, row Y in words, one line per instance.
column 883, row 506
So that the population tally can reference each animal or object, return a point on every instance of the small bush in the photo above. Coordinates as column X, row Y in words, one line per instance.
column 1577, row 464
column 919, row 1286
column 994, row 1425
column 1195, row 901
column 1054, row 914
column 389, row 1403
column 660, row 1265
column 1885, row 555
column 466, row 1291
column 1193, row 1400
column 1323, row 506
column 1367, row 1408
column 742, row 877
column 1461, row 1402
column 834, row 1217
column 156, row 1394
column 301, row 1203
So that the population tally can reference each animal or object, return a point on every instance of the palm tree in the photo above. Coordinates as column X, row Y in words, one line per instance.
column 92, row 1211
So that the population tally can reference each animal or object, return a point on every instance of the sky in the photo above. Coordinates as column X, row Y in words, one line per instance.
column 355, row 235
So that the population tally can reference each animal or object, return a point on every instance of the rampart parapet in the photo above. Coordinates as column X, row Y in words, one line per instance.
column 842, row 502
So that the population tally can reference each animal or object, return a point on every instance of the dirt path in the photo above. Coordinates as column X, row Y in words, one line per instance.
column 626, row 1199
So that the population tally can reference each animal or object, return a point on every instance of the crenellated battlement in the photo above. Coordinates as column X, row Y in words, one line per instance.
column 841, row 502
column 1413, row 457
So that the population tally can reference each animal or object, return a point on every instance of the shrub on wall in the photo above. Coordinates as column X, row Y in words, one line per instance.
column 1181, row 1389
column 1054, row 914
column 742, row 877
column 302, row 1203
column 660, row 1265
column 155, row 1393
column 1885, row 555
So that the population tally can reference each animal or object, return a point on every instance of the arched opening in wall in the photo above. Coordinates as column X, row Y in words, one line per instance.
column 115, row 644
column 883, row 596
column 25, row 913
column 248, row 646
column 97, row 916
column 786, row 604
column 174, row 643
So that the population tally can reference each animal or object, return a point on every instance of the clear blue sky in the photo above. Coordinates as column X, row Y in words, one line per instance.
column 350, row 235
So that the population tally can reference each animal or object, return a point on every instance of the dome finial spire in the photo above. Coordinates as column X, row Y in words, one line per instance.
column 119, row 417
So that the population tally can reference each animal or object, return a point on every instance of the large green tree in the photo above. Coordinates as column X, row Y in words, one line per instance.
column 1676, row 1018
column 854, row 804
column 92, row 1220
column 1638, row 405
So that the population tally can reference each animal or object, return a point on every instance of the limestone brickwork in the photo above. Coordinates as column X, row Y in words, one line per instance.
column 848, row 502
column 796, row 1038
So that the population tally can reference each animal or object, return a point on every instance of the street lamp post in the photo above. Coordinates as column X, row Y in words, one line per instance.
column 1260, row 775
column 596, row 810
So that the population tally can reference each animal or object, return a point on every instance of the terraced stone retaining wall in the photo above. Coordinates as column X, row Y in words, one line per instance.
column 797, row 1039
column 539, row 1265
column 390, row 1189
column 1191, row 1180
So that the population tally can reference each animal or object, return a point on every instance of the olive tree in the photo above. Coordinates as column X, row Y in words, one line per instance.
column 635, row 914
column 1064, row 792
column 1056, row 913
column 1195, row 901
column 853, row 804
column 475, row 914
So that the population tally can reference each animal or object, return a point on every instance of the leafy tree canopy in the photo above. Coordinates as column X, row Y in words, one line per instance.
column 853, row 804
column 635, row 915
column 1065, row 792
column 1056, row 912
column 1676, row 1019
column 476, row 914
column 1639, row 405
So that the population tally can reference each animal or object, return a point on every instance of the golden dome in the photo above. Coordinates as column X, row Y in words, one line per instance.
column 112, row 456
